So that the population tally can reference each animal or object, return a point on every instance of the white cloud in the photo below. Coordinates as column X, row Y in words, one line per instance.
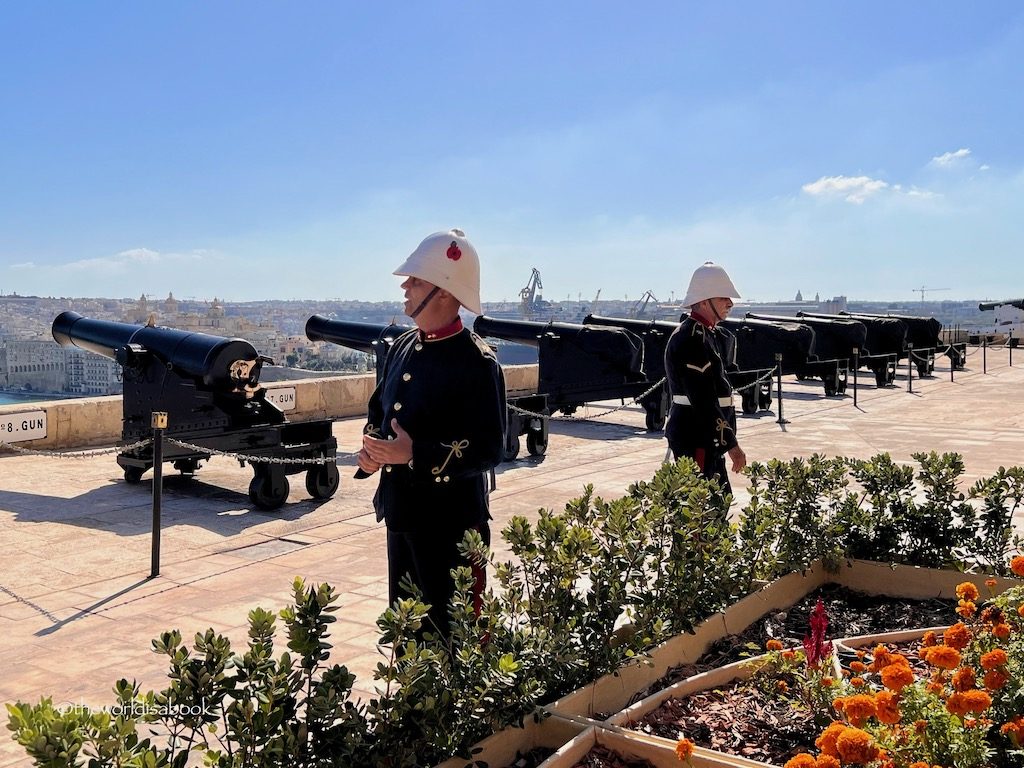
column 949, row 158
column 984, row 167
column 24, row 265
column 853, row 189
column 131, row 259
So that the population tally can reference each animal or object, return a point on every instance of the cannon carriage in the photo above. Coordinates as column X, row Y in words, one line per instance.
column 526, row 413
column 209, row 387
column 884, row 343
column 579, row 364
column 834, row 341
column 923, row 341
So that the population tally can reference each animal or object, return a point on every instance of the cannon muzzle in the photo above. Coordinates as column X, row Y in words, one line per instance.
column 364, row 337
column 219, row 363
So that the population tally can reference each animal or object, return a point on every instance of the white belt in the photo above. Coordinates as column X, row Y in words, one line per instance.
column 723, row 402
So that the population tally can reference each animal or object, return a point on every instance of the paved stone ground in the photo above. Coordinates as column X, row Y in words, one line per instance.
column 77, row 610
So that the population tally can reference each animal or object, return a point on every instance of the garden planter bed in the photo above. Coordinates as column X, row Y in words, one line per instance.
column 613, row 692
column 504, row 747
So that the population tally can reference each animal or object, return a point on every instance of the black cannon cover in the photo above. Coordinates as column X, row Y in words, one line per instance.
column 885, row 335
column 758, row 341
column 922, row 332
column 654, row 333
column 833, row 339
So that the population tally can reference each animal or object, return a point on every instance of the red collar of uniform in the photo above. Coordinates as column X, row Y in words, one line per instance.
column 701, row 319
column 443, row 332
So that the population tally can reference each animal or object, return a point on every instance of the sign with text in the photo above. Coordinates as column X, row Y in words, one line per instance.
column 16, row 427
column 282, row 397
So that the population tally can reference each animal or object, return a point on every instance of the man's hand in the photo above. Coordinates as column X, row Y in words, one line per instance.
column 368, row 465
column 739, row 458
column 397, row 450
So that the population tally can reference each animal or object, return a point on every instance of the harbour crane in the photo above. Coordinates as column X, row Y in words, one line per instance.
column 529, row 296
column 641, row 304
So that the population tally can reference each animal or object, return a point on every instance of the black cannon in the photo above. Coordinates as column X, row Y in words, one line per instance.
column 377, row 339
column 923, row 341
column 751, row 357
column 886, row 340
column 654, row 334
column 834, row 342
column 372, row 338
column 209, row 388
column 577, row 364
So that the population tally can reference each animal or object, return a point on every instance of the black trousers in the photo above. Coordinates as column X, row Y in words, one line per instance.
column 429, row 557
column 712, row 465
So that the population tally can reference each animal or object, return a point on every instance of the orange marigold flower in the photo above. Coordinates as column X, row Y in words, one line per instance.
column 827, row 682
column 920, row 726
column 957, row 704
column 967, row 591
column 944, row 657
column 827, row 741
column 773, row 645
column 919, row 764
column 827, row 761
column 977, row 701
column 897, row 677
column 856, row 747
column 857, row 682
column 928, row 638
column 684, row 749
column 990, row 583
column 781, row 686
column 788, row 655
column 993, row 659
column 859, row 708
column 966, row 608
column 1020, row 611
column 958, row 636
column 1017, row 565
column 995, row 679
column 861, row 653
column 964, row 679
column 935, row 687
column 887, row 708
column 1014, row 730
column 803, row 760
column 838, row 704
column 882, row 658
column 1001, row 630
column 858, row 666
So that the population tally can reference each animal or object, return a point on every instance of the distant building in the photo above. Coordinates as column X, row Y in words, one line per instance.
column 36, row 364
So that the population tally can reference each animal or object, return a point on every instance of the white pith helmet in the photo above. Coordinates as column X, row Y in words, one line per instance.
column 709, row 281
column 449, row 261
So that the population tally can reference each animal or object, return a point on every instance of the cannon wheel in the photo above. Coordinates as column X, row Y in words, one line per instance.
column 269, row 490
column 764, row 397
column 654, row 421
column 831, row 387
column 535, row 443
column 511, row 448
column 322, row 481
column 881, row 377
column 749, row 401
column 186, row 466
column 133, row 475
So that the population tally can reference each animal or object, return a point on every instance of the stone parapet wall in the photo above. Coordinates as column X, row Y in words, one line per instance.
column 94, row 421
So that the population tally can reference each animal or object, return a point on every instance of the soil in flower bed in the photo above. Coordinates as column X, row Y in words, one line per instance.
column 850, row 613
column 602, row 757
column 737, row 719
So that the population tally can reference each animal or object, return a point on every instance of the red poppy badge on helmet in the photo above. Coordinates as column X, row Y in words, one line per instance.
column 453, row 252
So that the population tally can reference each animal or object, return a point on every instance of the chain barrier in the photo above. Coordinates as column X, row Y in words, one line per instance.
column 319, row 460
column 77, row 455
column 635, row 401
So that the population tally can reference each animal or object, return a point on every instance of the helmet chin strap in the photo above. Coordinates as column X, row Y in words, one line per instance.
column 423, row 304
column 714, row 309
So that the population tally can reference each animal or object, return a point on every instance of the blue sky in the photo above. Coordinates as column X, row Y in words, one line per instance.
column 272, row 150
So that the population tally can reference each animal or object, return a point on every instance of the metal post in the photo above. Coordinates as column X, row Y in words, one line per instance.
column 778, row 372
column 952, row 359
column 984, row 353
column 910, row 367
column 1009, row 343
column 856, row 365
column 159, row 425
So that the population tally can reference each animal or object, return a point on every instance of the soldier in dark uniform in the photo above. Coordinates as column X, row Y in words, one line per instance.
column 702, row 421
column 435, row 425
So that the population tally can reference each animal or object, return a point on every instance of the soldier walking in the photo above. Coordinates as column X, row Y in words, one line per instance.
column 702, row 420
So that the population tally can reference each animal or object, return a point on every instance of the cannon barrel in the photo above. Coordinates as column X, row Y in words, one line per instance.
column 520, row 331
column 833, row 339
column 989, row 305
column 364, row 337
column 757, row 342
column 639, row 327
column 922, row 332
column 885, row 335
column 210, row 359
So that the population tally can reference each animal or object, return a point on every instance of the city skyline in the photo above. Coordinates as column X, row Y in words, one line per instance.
column 256, row 153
